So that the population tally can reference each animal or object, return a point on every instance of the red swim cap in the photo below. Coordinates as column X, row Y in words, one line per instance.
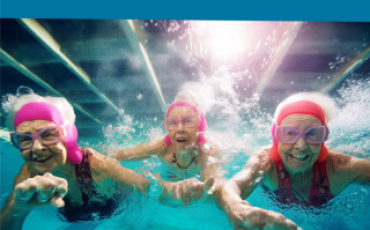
column 298, row 107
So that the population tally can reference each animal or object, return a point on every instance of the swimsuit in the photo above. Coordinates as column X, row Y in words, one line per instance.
column 320, row 189
column 90, row 210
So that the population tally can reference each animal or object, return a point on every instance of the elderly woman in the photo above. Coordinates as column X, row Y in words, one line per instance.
column 298, row 168
column 79, row 181
column 184, row 147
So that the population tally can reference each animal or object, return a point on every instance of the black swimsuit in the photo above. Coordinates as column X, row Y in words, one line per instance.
column 90, row 210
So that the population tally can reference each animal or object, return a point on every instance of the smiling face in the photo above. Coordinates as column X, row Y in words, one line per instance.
column 42, row 158
column 183, row 137
column 301, row 155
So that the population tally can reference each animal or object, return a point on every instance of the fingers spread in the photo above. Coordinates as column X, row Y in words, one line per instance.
column 62, row 186
column 24, row 191
column 194, row 185
column 208, row 184
column 291, row 225
column 57, row 201
column 185, row 195
column 45, row 188
column 48, row 175
column 41, row 191
column 176, row 192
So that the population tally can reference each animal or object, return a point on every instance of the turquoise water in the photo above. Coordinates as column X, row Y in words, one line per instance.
column 238, row 138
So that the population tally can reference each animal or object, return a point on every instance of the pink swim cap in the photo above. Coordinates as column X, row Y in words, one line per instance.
column 202, row 125
column 47, row 112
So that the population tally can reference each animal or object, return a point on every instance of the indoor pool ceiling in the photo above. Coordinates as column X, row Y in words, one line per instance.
column 102, row 66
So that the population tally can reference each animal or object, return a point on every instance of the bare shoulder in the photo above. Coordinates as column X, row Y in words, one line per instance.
column 260, row 160
column 340, row 163
column 344, row 169
column 343, row 166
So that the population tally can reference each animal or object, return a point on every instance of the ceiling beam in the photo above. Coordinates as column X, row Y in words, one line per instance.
column 286, row 40
column 317, row 47
column 138, row 48
column 346, row 70
column 39, row 32
column 26, row 72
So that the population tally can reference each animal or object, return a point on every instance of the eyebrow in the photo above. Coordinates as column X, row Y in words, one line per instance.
column 29, row 132
column 25, row 132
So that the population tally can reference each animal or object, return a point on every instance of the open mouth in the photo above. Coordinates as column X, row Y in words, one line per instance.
column 181, row 140
column 42, row 159
column 299, row 157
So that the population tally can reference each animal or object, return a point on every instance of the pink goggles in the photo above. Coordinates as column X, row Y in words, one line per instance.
column 187, row 121
column 314, row 135
column 47, row 136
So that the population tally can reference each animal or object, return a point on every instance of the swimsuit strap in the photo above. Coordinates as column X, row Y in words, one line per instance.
column 282, row 174
column 82, row 170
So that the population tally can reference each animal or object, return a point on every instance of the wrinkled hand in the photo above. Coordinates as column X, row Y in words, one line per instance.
column 243, row 216
column 188, row 191
column 40, row 191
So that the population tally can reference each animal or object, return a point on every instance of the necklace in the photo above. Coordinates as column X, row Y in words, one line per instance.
column 186, row 166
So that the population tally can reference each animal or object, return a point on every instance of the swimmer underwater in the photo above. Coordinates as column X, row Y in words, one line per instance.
column 78, row 181
column 298, row 168
column 185, row 147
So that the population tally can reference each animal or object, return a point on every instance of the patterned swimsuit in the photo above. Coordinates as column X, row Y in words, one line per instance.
column 320, row 189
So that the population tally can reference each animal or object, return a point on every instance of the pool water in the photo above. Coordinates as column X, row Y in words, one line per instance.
column 349, row 210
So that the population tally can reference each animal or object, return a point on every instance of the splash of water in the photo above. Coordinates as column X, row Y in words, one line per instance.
column 350, row 130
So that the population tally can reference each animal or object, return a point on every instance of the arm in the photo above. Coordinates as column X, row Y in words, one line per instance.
column 141, row 151
column 211, row 166
column 240, row 186
column 30, row 193
column 231, row 197
column 11, row 216
column 107, row 169
column 343, row 170
column 104, row 168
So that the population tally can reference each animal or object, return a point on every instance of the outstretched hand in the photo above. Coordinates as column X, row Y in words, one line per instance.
column 243, row 216
column 40, row 191
column 188, row 191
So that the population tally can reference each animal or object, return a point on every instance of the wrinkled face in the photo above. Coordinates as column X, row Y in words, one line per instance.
column 182, row 137
column 301, row 155
column 42, row 158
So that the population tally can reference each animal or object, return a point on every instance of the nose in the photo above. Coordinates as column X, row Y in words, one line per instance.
column 37, row 147
column 300, row 144
column 180, row 127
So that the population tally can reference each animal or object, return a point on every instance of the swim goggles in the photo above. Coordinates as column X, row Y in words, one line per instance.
column 47, row 136
column 188, row 122
column 314, row 135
